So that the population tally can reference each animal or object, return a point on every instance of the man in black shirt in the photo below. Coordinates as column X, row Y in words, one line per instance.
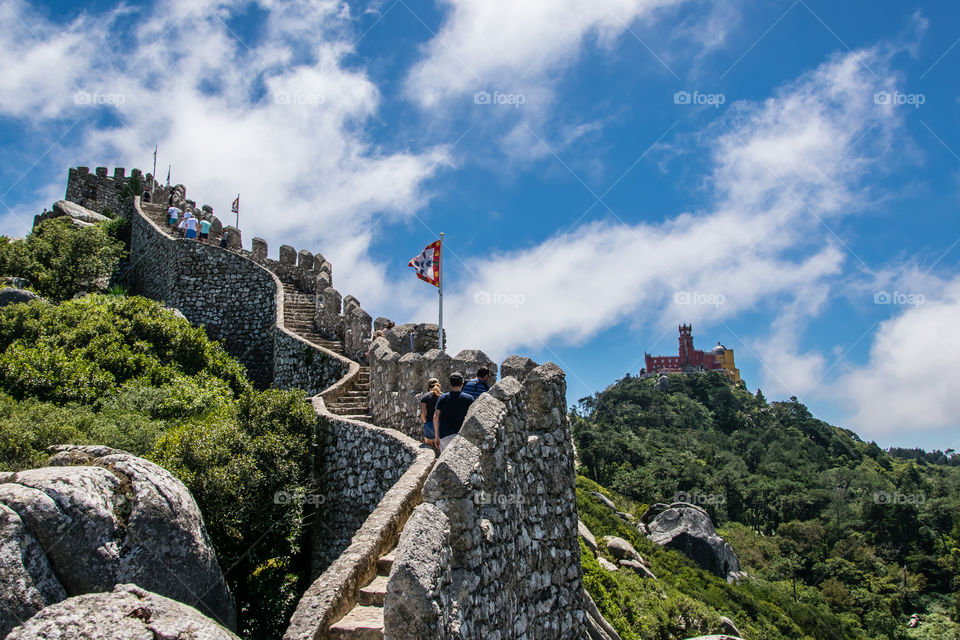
column 450, row 412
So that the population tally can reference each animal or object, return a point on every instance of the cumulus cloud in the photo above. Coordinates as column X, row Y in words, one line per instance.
column 783, row 168
column 506, row 45
column 906, row 385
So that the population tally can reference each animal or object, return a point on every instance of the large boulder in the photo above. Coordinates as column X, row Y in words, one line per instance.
column 98, row 517
column 688, row 529
column 622, row 550
column 12, row 295
column 125, row 613
column 76, row 212
column 588, row 538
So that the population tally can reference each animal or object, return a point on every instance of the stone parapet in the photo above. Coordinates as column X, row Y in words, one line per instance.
column 396, row 381
column 493, row 550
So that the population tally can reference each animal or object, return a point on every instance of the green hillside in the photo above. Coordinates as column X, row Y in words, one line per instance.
column 126, row 373
column 841, row 539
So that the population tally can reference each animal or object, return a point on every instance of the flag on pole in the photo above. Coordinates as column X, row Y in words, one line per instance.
column 235, row 208
column 427, row 264
column 169, row 166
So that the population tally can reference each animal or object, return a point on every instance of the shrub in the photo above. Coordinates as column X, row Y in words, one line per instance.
column 235, row 465
column 60, row 259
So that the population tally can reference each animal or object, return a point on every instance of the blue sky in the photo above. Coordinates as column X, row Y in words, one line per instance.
column 783, row 175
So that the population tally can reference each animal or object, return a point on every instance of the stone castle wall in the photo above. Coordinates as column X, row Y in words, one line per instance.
column 359, row 466
column 235, row 300
column 232, row 298
column 493, row 550
column 397, row 381
column 99, row 191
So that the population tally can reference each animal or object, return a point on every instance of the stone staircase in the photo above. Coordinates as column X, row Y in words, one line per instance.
column 157, row 213
column 298, row 312
column 355, row 403
column 365, row 620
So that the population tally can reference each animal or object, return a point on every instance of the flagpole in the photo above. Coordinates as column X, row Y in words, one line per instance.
column 153, row 176
column 440, row 339
column 238, row 211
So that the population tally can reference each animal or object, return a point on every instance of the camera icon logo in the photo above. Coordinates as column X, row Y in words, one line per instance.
column 881, row 97
column 282, row 98
column 481, row 97
column 882, row 297
column 681, row 97
column 482, row 297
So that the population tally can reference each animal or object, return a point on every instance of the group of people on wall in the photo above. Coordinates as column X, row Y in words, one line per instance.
column 190, row 226
column 442, row 414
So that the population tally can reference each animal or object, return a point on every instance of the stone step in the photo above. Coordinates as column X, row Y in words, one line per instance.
column 358, row 417
column 385, row 563
column 361, row 623
column 347, row 409
column 373, row 593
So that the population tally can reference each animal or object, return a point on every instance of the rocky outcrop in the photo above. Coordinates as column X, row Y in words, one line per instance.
column 75, row 211
column 597, row 626
column 12, row 295
column 98, row 517
column 621, row 549
column 125, row 613
column 688, row 529
column 588, row 537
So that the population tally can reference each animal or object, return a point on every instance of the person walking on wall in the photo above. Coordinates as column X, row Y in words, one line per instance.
column 173, row 216
column 428, row 406
column 478, row 385
column 189, row 224
column 204, row 231
column 450, row 412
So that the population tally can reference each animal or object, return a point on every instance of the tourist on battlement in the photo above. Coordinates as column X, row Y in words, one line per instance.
column 225, row 239
column 204, row 231
column 428, row 406
column 146, row 195
column 173, row 217
column 189, row 225
column 478, row 385
column 450, row 412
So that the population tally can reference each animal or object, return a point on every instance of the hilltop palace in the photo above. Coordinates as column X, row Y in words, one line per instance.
column 690, row 360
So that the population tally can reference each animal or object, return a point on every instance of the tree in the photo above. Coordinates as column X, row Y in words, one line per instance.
column 61, row 260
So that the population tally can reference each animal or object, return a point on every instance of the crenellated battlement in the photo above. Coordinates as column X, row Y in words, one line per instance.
column 99, row 191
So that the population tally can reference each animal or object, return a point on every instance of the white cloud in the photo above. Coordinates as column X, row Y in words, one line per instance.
column 907, row 386
column 506, row 45
column 780, row 167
